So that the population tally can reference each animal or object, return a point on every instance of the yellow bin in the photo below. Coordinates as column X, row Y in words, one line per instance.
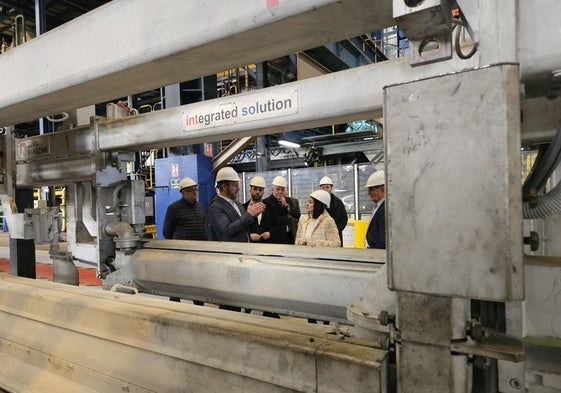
column 359, row 231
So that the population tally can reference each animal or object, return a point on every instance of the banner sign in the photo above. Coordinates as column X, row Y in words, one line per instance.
column 240, row 109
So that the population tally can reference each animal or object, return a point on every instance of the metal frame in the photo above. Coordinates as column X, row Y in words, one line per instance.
column 103, row 71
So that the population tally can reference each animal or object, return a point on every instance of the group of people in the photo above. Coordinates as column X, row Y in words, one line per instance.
column 274, row 219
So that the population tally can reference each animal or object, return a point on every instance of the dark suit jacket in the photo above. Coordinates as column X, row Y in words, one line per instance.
column 255, row 227
column 376, row 232
column 275, row 220
column 225, row 223
column 293, row 214
column 339, row 214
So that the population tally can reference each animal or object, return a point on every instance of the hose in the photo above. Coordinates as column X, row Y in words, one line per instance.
column 58, row 120
column 547, row 205
column 547, row 160
column 550, row 203
column 457, row 41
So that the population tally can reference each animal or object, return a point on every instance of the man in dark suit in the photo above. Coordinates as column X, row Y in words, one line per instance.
column 229, row 221
column 278, row 211
column 376, row 232
column 293, row 212
column 258, row 232
column 336, row 208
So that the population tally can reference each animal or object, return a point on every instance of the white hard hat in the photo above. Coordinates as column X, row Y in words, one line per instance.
column 376, row 179
column 227, row 174
column 322, row 196
column 325, row 180
column 257, row 181
column 279, row 181
column 186, row 182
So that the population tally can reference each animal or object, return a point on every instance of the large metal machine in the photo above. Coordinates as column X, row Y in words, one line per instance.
column 458, row 303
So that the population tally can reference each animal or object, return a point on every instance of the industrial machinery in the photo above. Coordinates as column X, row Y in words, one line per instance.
column 459, row 303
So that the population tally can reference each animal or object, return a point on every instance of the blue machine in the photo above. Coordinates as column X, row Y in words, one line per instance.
column 170, row 171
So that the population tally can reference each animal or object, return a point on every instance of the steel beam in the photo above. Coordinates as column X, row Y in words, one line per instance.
column 127, row 47
column 336, row 98
column 164, row 52
column 353, row 94
column 541, row 118
column 319, row 286
column 64, row 338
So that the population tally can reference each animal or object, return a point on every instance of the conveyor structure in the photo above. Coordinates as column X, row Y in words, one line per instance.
column 458, row 303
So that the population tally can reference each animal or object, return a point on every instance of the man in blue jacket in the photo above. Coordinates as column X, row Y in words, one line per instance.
column 376, row 232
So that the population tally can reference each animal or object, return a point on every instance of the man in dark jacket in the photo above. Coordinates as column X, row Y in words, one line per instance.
column 185, row 218
column 279, row 208
column 336, row 208
column 256, row 191
column 376, row 232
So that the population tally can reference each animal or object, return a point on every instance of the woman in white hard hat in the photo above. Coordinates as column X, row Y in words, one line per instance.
column 317, row 228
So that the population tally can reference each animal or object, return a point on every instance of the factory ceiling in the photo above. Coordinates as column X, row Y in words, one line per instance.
column 57, row 12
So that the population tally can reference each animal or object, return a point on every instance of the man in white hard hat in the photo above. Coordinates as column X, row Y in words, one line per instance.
column 376, row 232
column 277, row 213
column 227, row 218
column 256, row 191
column 185, row 218
column 336, row 209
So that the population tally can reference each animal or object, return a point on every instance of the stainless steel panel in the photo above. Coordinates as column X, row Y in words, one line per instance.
column 453, row 193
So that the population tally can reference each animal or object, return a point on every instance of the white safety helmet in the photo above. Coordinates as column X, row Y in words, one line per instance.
column 279, row 181
column 186, row 182
column 376, row 179
column 322, row 196
column 326, row 180
column 227, row 174
column 257, row 181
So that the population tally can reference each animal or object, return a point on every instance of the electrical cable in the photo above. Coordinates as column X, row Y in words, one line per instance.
column 457, row 45
column 547, row 160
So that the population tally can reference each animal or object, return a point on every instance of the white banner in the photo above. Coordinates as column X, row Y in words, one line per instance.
column 240, row 109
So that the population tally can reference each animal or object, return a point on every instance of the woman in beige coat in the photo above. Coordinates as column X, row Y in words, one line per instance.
column 317, row 228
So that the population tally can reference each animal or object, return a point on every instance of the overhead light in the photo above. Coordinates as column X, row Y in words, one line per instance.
column 289, row 144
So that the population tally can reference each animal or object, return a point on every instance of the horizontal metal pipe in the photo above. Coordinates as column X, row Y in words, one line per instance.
column 316, row 286
column 131, row 50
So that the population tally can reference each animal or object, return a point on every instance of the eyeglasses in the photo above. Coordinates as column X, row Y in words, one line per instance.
column 190, row 190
